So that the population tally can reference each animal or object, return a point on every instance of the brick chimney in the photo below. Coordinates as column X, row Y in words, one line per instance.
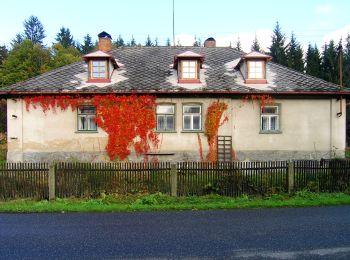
column 210, row 43
column 104, row 42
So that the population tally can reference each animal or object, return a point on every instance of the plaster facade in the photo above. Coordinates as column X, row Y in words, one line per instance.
column 309, row 129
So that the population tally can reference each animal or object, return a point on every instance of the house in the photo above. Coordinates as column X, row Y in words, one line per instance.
column 269, row 112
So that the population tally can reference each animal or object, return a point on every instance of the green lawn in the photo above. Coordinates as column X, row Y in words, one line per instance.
column 109, row 203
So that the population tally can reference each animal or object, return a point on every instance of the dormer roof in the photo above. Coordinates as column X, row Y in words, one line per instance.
column 188, row 55
column 256, row 55
column 101, row 55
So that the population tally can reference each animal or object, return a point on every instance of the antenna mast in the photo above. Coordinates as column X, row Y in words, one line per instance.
column 173, row 23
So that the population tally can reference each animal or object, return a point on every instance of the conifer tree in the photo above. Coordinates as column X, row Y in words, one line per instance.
column 148, row 41
column 132, row 42
column 168, row 43
column 34, row 30
column 17, row 40
column 346, row 63
column 238, row 45
column 64, row 38
column 87, row 46
column 255, row 46
column 295, row 55
column 278, row 48
column 3, row 53
column 156, row 42
column 313, row 61
column 197, row 42
column 119, row 42
column 329, row 63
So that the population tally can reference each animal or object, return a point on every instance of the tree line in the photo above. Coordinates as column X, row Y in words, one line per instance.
column 29, row 57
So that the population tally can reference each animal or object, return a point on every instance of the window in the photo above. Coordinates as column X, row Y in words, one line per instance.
column 270, row 119
column 98, row 69
column 86, row 118
column 165, row 118
column 255, row 70
column 192, row 117
column 189, row 69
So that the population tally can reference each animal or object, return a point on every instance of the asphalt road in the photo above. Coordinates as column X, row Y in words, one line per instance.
column 310, row 233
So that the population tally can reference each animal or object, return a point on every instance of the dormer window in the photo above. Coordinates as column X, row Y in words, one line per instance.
column 253, row 67
column 256, row 70
column 189, row 69
column 101, row 63
column 98, row 69
column 188, row 65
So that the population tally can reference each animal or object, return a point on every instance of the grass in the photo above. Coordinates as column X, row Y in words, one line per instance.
column 161, row 202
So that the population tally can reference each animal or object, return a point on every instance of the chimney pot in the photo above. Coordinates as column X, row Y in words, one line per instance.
column 104, row 42
column 210, row 42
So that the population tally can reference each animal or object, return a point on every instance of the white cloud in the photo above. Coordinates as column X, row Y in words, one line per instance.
column 325, row 9
column 246, row 39
column 337, row 34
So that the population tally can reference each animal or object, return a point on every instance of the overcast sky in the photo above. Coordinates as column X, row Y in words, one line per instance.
column 225, row 20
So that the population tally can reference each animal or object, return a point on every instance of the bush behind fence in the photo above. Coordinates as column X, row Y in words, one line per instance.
column 31, row 180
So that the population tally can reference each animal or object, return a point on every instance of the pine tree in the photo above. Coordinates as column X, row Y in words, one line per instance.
column 278, row 48
column 255, row 45
column 148, row 41
column 197, row 42
column 168, row 43
column 64, row 38
column 313, row 61
column 346, row 63
column 156, row 42
column 132, row 42
column 295, row 55
column 87, row 46
column 238, row 45
column 119, row 42
column 17, row 40
column 34, row 30
column 329, row 63
column 3, row 53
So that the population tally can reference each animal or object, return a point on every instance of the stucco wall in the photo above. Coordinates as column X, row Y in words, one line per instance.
column 309, row 129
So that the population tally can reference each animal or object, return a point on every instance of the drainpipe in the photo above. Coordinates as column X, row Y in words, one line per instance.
column 330, row 129
column 340, row 79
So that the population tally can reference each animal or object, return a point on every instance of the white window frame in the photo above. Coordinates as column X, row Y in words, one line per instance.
column 101, row 75
column 268, row 117
column 166, row 115
column 191, row 115
column 187, row 70
column 88, row 117
column 252, row 69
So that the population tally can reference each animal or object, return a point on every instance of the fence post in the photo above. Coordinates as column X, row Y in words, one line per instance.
column 52, row 181
column 290, row 177
column 173, row 179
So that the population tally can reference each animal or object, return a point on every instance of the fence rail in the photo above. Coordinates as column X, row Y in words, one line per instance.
column 41, row 180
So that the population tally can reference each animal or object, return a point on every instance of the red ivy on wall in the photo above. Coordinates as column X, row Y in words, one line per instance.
column 263, row 99
column 212, row 124
column 128, row 120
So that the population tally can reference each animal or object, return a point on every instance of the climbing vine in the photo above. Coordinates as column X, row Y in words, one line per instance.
column 128, row 120
column 262, row 99
column 212, row 124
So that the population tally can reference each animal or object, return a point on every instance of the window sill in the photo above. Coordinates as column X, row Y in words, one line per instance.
column 86, row 132
column 98, row 80
column 164, row 131
column 188, row 81
column 270, row 132
column 255, row 81
column 192, row 131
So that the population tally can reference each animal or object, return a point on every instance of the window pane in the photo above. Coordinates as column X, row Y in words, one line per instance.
column 165, row 109
column 95, row 75
column 185, row 63
column 264, row 123
column 82, row 123
column 87, row 110
column 258, row 75
column 269, row 110
column 170, row 123
column 92, row 124
column 187, row 122
column 160, row 122
column 258, row 64
column 192, row 109
column 274, row 123
column 196, row 123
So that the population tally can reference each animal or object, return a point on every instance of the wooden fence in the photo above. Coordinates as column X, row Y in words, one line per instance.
column 43, row 181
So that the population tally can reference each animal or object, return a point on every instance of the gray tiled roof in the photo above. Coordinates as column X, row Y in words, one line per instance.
column 147, row 69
